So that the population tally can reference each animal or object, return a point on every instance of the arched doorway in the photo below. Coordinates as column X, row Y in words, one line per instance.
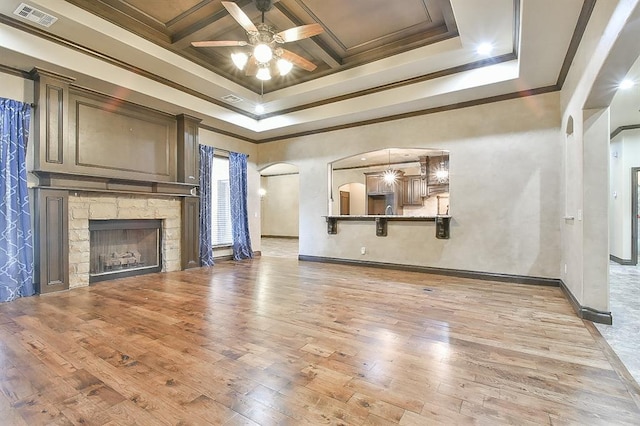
column 279, row 210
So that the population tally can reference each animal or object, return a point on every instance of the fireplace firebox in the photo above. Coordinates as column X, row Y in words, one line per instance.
column 124, row 247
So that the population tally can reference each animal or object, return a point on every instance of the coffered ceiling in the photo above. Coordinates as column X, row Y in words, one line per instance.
column 376, row 59
column 355, row 32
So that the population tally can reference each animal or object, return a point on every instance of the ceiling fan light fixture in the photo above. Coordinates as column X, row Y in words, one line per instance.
column 263, row 74
column 284, row 66
column 264, row 41
column 239, row 59
column 262, row 53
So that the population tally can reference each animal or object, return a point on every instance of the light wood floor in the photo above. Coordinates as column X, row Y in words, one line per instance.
column 277, row 341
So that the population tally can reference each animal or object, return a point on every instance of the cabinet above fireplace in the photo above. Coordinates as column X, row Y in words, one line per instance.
column 114, row 144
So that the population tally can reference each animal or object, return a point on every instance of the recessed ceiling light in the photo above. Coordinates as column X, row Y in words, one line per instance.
column 259, row 108
column 363, row 158
column 626, row 84
column 484, row 48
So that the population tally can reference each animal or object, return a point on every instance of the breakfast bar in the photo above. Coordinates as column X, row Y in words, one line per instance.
column 442, row 222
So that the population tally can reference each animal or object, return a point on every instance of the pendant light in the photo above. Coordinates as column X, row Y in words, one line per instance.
column 442, row 172
column 390, row 176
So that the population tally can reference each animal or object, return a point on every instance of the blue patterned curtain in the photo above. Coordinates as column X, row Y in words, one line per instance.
column 239, row 215
column 206, row 173
column 16, row 247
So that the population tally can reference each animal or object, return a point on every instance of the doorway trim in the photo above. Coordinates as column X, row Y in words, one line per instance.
column 634, row 215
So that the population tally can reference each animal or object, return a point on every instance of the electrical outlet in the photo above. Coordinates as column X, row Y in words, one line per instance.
column 363, row 250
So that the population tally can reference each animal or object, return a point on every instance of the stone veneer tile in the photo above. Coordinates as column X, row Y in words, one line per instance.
column 85, row 206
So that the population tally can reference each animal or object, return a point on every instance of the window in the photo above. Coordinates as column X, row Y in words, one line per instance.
column 220, row 210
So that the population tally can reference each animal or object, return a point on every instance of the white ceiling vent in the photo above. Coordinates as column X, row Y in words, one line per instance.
column 34, row 15
column 232, row 99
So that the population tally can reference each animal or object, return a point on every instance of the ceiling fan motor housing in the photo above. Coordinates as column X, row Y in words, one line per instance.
column 264, row 5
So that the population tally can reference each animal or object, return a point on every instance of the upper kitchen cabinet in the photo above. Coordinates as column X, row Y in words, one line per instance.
column 414, row 188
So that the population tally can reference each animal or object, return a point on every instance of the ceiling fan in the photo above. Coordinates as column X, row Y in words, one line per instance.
column 266, row 57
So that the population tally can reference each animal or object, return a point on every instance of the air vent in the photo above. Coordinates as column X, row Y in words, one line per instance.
column 232, row 99
column 34, row 15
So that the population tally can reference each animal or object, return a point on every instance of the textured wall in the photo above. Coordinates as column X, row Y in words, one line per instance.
column 627, row 148
column 280, row 205
column 504, row 170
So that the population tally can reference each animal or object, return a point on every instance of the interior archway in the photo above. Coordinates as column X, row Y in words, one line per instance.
column 279, row 210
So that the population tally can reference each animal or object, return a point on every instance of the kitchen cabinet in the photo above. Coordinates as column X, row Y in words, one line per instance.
column 382, row 198
column 434, row 186
column 413, row 189
column 377, row 185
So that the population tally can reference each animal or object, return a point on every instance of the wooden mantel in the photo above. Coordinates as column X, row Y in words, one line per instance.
column 73, row 182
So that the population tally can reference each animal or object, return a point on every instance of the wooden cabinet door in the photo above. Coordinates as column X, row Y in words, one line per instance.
column 51, row 240
column 190, row 249
column 373, row 184
column 412, row 191
column 188, row 150
column 416, row 190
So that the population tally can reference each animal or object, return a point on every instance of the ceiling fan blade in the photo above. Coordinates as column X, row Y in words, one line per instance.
column 252, row 67
column 221, row 43
column 241, row 17
column 298, row 33
column 298, row 60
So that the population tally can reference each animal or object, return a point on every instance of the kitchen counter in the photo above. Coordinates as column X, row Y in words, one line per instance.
column 387, row 217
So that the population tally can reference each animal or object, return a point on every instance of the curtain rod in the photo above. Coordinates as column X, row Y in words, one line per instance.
column 227, row 151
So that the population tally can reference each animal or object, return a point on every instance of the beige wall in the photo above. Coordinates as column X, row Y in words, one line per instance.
column 20, row 89
column 280, row 205
column 585, row 97
column 504, row 183
column 625, row 154
column 16, row 88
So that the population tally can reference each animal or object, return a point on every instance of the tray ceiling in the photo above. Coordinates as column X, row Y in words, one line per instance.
column 355, row 31
column 376, row 59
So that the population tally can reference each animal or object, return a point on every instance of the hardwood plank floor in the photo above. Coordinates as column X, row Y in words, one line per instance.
column 277, row 341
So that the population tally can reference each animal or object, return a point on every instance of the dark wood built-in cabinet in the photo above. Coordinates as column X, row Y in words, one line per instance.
column 50, row 120
column 51, row 238
column 91, row 142
column 189, row 172
column 190, row 247
column 188, row 154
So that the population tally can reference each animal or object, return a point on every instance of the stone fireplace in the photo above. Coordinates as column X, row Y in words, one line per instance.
column 98, row 158
column 86, row 207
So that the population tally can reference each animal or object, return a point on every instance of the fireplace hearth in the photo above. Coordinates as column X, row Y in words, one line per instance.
column 124, row 247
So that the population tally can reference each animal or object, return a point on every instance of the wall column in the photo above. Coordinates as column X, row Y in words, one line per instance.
column 596, row 211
